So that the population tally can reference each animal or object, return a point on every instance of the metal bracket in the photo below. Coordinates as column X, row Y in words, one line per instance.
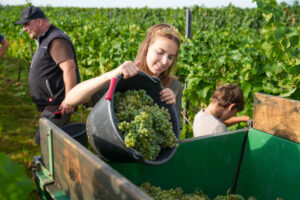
column 50, row 151
column 44, row 175
column 44, row 178
column 250, row 123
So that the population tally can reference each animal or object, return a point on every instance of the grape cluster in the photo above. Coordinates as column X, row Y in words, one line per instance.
column 143, row 125
column 172, row 194
column 177, row 194
column 232, row 197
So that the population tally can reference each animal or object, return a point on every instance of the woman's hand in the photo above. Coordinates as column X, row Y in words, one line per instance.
column 168, row 96
column 128, row 69
column 65, row 109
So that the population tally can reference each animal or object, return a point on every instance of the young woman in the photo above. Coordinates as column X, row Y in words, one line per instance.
column 156, row 56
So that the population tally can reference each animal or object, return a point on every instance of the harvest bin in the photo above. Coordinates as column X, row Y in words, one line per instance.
column 250, row 162
column 102, row 129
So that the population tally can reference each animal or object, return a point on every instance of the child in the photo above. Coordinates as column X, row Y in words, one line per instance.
column 226, row 101
column 157, row 57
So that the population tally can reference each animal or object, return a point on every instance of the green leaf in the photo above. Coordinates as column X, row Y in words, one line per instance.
column 279, row 34
column 277, row 68
column 246, row 87
column 268, row 49
column 268, row 16
column 203, row 92
column 289, row 93
column 221, row 60
column 294, row 39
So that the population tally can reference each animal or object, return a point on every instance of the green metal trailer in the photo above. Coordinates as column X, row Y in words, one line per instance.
column 250, row 162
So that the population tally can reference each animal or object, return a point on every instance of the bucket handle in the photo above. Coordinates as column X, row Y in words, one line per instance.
column 114, row 80
column 111, row 88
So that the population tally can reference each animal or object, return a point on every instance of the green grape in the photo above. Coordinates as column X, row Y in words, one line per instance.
column 177, row 194
column 143, row 124
column 229, row 197
column 172, row 194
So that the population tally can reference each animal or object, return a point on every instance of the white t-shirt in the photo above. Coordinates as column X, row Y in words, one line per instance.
column 207, row 124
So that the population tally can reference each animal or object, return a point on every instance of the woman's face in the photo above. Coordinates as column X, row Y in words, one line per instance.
column 161, row 54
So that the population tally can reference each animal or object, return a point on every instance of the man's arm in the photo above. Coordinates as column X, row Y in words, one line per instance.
column 70, row 79
column 4, row 46
column 62, row 53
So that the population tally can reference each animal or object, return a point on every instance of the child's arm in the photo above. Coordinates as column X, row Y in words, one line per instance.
column 234, row 120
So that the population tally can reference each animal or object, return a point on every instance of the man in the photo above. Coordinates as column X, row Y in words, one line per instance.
column 4, row 46
column 54, row 69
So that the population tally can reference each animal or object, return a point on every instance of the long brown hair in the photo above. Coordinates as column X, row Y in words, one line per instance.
column 164, row 30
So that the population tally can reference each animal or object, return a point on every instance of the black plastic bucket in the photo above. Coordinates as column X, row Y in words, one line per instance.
column 102, row 129
column 77, row 131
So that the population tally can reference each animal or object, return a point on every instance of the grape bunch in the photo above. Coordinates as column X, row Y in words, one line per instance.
column 143, row 125
column 177, row 194
column 172, row 194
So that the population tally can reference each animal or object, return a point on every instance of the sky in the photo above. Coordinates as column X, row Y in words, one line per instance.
column 138, row 3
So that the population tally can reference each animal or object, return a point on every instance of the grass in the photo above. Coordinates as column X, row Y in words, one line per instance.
column 18, row 117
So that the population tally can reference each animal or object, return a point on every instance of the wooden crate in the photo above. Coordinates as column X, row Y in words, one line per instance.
column 277, row 116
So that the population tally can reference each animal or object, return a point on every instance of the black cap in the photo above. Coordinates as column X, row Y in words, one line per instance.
column 30, row 13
